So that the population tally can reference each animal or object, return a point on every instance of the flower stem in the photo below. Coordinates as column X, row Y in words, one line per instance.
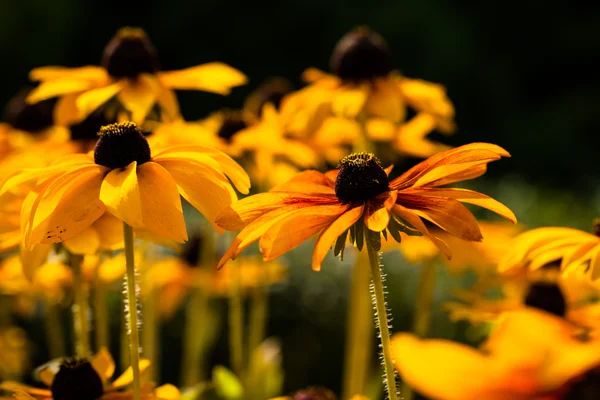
column 196, row 315
column 256, row 335
column 54, row 329
column 132, row 304
column 382, row 322
column 236, row 323
column 150, row 334
column 360, row 330
column 80, row 308
column 101, row 308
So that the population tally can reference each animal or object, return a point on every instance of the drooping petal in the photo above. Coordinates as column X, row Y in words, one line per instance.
column 120, row 193
column 349, row 101
column 161, row 204
column 386, row 101
column 332, row 232
column 68, row 206
column 139, row 96
column 87, row 73
column 413, row 219
column 377, row 214
column 380, row 129
column 66, row 111
column 295, row 227
column 91, row 100
column 167, row 392
column 410, row 137
column 55, row 88
column 103, row 364
column 168, row 102
column 126, row 377
column 212, row 77
column 87, row 242
column 110, row 231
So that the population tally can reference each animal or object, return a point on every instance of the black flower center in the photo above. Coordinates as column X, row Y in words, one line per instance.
column 191, row 250
column 361, row 177
column 120, row 144
column 77, row 380
column 32, row 118
column 232, row 124
column 361, row 55
column 547, row 296
column 130, row 53
column 587, row 388
column 314, row 394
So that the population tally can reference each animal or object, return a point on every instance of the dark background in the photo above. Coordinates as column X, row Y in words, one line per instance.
column 520, row 74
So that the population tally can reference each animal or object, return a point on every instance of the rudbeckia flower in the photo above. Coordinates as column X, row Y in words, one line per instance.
column 125, row 179
column 530, row 355
column 365, row 86
column 14, row 352
column 130, row 71
column 340, row 201
column 574, row 249
column 79, row 378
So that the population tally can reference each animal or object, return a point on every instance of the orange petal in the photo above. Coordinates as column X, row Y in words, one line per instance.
column 413, row 219
column 120, row 193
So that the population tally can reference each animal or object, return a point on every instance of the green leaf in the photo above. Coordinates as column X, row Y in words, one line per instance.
column 374, row 239
column 227, row 383
column 340, row 243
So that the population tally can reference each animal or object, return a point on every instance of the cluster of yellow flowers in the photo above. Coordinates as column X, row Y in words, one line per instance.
column 95, row 162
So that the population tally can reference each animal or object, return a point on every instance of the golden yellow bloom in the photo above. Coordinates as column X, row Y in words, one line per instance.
column 360, row 191
column 130, row 72
column 575, row 249
column 14, row 352
column 125, row 179
column 366, row 87
column 87, row 379
column 529, row 355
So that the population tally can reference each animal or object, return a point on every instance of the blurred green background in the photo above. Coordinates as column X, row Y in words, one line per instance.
column 520, row 74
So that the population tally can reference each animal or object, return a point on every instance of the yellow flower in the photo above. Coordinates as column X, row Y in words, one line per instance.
column 14, row 352
column 131, row 72
column 366, row 87
column 529, row 355
column 482, row 255
column 77, row 378
column 575, row 249
column 340, row 201
column 125, row 179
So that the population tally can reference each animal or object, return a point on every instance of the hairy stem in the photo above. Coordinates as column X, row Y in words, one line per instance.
column 132, row 315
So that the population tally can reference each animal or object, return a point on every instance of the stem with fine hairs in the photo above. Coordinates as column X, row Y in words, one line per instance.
column 132, row 314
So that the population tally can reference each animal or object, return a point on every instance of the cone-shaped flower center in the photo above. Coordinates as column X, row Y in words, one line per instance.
column 191, row 250
column 361, row 55
column 29, row 117
column 130, row 53
column 120, row 144
column 232, row 124
column 361, row 177
column 314, row 394
column 77, row 380
column 548, row 297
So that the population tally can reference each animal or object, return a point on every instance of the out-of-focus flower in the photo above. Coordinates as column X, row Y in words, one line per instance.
column 130, row 72
column 340, row 201
column 576, row 250
column 79, row 378
column 123, row 178
column 14, row 352
column 529, row 355
column 365, row 87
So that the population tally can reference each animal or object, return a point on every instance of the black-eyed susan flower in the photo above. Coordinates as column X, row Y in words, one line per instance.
column 336, row 202
column 529, row 355
column 80, row 378
column 125, row 179
column 575, row 249
column 366, row 87
column 130, row 72
column 15, row 350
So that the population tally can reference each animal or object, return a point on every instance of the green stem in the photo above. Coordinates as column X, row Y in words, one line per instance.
column 360, row 330
column 54, row 330
column 382, row 322
column 80, row 308
column 100, row 306
column 423, row 309
column 196, row 314
column 236, row 323
column 132, row 304
column 150, row 334
column 256, row 335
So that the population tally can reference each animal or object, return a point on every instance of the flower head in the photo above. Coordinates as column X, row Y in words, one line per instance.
column 360, row 195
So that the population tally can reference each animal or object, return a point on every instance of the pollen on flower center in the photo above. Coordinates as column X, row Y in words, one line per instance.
column 361, row 55
column 120, row 144
column 77, row 380
column 361, row 177
column 231, row 125
column 130, row 53
column 546, row 296
column 32, row 118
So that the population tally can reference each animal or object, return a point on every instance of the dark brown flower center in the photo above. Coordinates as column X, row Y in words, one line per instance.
column 271, row 91
column 361, row 55
column 32, row 118
column 547, row 296
column 77, row 380
column 361, row 178
column 314, row 394
column 587, row 388
column 130, row 53
column 120, row 144
column 232, row 124
column 191, row 250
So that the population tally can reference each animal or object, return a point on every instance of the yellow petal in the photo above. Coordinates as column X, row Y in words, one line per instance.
column 110, row 232
column 161, row 204
column 120, row 193
column 112, row 269
column 332, row 232
column 11, row 386
column 385, row 101
column 167, row 392
column 46, row 375
column 349, row 101
column 87, row 242
column 50, row 89
column 212, row 77
column 139, row 96
column 380, row 130
column 126, row 377
column 65, row 111
column 426, row 96
column 89, row 73
column 91, row 100
column 68, row 206
column 410, row 138
column 33, row 258
column 168, row 102
column 103, row 364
